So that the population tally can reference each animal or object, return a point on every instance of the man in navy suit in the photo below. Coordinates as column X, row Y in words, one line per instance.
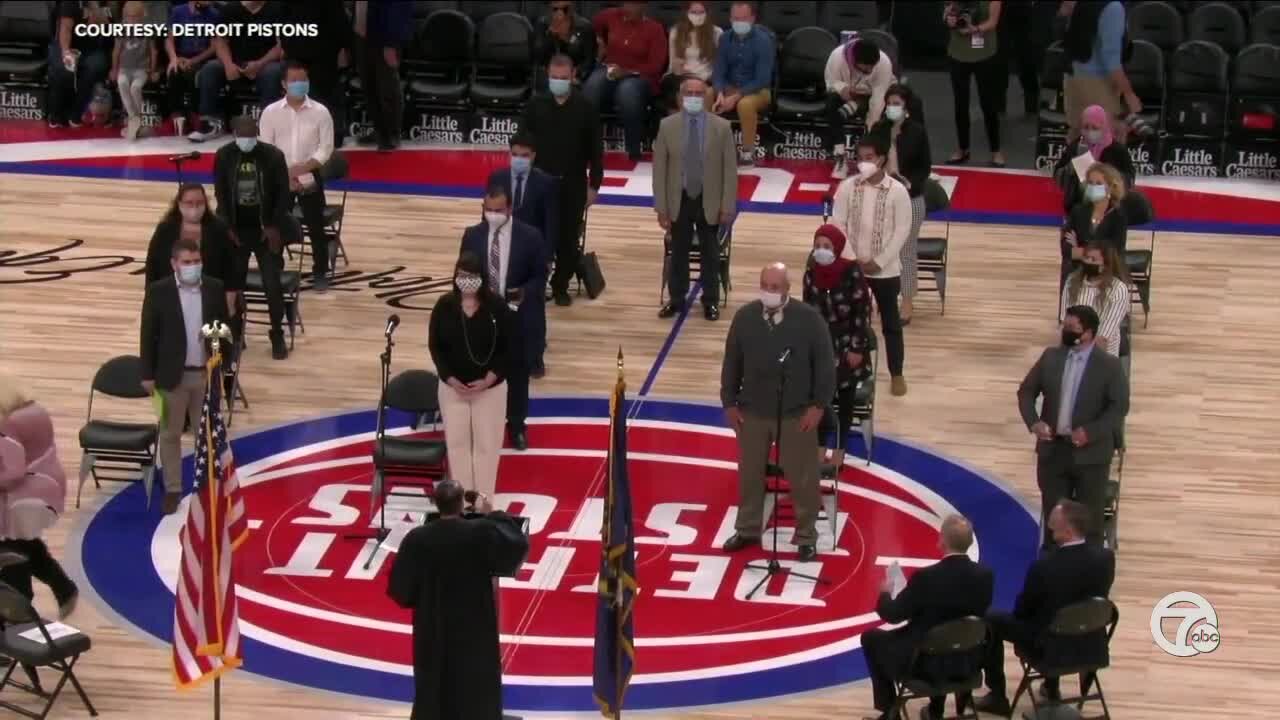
column 534, row 197
column 515, row 259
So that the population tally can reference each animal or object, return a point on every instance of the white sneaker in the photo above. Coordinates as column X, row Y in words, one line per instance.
column 206, row 130
column 746, row 158
column 841, row 170
column 179, row 124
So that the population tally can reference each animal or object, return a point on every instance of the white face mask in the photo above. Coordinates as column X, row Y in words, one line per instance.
column 1093, row 136
column 191, row 214
column 469, row 284
column 867, row 169
column 771, row 300
column 824, row 256
column 697, row 19
column 894, row 112
column 495, row 219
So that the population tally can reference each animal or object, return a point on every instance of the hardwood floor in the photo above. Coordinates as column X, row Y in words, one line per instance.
column 1200, row 501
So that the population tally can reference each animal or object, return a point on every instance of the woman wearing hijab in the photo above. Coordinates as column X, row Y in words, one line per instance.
column 1097, row 138
column 836, row 288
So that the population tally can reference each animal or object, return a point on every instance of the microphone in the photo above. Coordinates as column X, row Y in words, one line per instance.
column 828, row 205
column 785, row 356
column 392, row 323
column 193, row 155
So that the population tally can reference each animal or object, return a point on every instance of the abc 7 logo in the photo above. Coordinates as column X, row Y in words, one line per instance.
column 1197, row 631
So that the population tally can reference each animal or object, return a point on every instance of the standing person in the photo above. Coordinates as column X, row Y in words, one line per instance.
column 858, row 74
column 515, row 269
column 562, row 31
column 1021, row 49
column 875, row 212
column 773, row 341
column 1102, row 283
column 302, row 129
column 1098, row 219
column 190, row 218
column 77, row 63
column 633, row 55
column 187, row 53
column 743, row 75
column 566, row 128
column 533, row 195
column 835, row 287
column 468, row 339
column 1085, row 400
column 1098, row 139
column 133, row 63
column 382, row 29
column 1095, row 44
column 251, row 184
column 251, row 54
column 323, row 55
column 444, row 573
column 972, row 52
column 695, row 188
column 910, row 163
column 692, row 51
column 173, row 354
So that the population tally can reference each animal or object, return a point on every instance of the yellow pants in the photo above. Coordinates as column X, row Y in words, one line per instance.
column 749, row 109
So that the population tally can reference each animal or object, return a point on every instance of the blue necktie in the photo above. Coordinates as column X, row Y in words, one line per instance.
column 519, row 190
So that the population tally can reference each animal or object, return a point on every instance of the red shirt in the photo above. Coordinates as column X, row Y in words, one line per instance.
column 634, row 45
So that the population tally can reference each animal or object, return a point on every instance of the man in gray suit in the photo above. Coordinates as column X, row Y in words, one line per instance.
column 695, row 187
column 1086, row 397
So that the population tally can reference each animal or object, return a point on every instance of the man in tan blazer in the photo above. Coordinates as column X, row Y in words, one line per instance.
column 695, row 187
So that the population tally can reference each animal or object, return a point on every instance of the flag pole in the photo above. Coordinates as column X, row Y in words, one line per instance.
column 617, row 693
column 217, row 698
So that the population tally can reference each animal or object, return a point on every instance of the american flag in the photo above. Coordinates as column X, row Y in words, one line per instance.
column 206, row 621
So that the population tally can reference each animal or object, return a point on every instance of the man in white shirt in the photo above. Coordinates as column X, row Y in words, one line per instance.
column 858, row 74
column 874, row 210
column 303, row 130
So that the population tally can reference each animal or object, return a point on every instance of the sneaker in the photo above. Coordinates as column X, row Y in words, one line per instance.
column 1139, row 126
column 279, row 351
column 57, row 124
column 841, row 169
column 206, row 130
column 179, row 125
column 747, row 158
column 132, row 127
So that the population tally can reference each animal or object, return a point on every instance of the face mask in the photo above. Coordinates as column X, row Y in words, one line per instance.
column 771, row 300
column 1095, row 192
column 696, row 19
column 692, row 104
column 824, row 256
column 190, row 274
column 559, row 86
column 867, row 169
column 192, row 215
column 1070, row 338
column 521, row 165
column 742, row 27
column 894, row 112
column 468, row 284
column 1092, row 271
column 495, row 219
column 1093, row 136
column 246, row 144
column 298, row 88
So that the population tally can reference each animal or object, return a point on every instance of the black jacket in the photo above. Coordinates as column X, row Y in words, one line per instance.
column 163, row 346
column 216, row 248
column 1116, row 155
column 915, row 161
column 568, row 137
column 1112, row 232
column 273, row 184
column 950, row 589
column 1061, row 577
column 580, row 47
column 319, row 52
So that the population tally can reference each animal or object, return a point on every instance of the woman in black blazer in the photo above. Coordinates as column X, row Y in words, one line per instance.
column 1097, row 139
column 910, row 162
column 1098, row 219
column 189, row 217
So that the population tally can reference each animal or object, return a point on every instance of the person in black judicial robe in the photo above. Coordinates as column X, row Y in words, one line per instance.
column 950, row 589
column 444, row 572
column 1075, row 570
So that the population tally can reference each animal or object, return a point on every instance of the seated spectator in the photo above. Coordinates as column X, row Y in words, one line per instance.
column 1101, row 282
column 743, row 75
column 635, row 52
column 835, row 286
column 1075, row 571
column 858, row 74
column 910, row 162
column 187, row 55
column 953, row 588
column 1100, row 142
column 253, row 57
column 692, row 53
column 77, row 64
column 564, row 32
column 133, row 63
column 1098, row 219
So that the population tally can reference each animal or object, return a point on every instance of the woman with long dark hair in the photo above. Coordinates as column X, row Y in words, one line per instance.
column 469, row 339
column 190, row 217
column 692, row 44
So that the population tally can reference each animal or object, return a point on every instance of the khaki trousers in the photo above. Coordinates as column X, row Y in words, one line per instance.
column 473, row 429
column 181, row 403
column 799, row 465
column 749, row 109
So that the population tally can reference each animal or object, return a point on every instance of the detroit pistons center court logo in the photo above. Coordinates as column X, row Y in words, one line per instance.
column 314, row 609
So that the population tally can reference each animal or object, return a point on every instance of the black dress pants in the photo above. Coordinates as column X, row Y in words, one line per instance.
column 992, row 84
column 40, row 565
column 517, row 374
column 312, row 204
column 1021, row 51
column 888, row 655
column 573, row 201
column 690, row 220
column 270, row 264
column 1060, row 477
column 886, row 292
column 384, row 98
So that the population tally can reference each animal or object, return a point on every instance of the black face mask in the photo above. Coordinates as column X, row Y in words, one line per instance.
column 1070, row 338
column 1092, row 271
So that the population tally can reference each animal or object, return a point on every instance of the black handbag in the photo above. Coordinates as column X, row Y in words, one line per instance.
column 935, row 196
column 1137, row 208
column 590, row 274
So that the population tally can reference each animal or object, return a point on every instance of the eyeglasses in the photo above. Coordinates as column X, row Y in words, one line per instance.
column 561, row 8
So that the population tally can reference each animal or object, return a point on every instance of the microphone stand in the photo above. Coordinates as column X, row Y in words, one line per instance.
column 381, row 533
column 774, row 472
column 177, row 162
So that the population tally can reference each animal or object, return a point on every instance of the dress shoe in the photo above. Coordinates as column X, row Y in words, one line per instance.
column 738, row 542
column 279, row 351
column 520, row 440
column 171, row 501
column 711, row 312
column 562, row 298
column 538, row 373
column 994, row 704
column 808, row 552
column 898, row 385
column 670, row 310
column 926, row 714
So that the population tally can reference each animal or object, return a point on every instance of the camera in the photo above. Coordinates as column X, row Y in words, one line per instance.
column 849, row 110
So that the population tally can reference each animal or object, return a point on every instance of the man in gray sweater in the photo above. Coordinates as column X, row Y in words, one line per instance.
column 771, row 339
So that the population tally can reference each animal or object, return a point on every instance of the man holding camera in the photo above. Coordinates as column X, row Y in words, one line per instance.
column 858, row 73
column 445, row 573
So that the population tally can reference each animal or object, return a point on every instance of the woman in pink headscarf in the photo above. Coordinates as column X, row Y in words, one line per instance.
column 1098, row 139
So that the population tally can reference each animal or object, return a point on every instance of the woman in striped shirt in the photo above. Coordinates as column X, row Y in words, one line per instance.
column 1102, row 283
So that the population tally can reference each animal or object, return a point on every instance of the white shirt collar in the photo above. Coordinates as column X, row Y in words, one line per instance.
column 1073, row 543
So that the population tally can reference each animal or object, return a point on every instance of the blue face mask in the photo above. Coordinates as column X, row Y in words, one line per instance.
column 893, row 112
column 246, row 144
column 1095, row 192
column 298, row 88
column 520, row 165
column 190, row 274
column 559, row 86
column 692, row 104
column 742, row 27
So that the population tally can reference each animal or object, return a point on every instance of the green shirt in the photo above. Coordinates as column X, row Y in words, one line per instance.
column 961, row 47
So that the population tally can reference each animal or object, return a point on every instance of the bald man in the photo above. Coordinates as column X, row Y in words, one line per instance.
column 777, row 350
column 952, row 588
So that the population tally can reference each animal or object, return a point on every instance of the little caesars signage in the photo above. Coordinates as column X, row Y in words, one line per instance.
column 441, row 128
column 21, row 104
column 1260, row 162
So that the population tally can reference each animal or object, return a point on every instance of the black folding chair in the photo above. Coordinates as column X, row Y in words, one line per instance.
column 1077, row 642
column 117, row 451
column 948, row 661
column 725, row 239
column 931, row 265
column 335, row 170
column 28, row 641
column 416, row 392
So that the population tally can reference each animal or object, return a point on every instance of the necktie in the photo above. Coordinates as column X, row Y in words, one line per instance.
column 495, row 262
column 362, row 17
column 693, row 159
column 519, row 198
